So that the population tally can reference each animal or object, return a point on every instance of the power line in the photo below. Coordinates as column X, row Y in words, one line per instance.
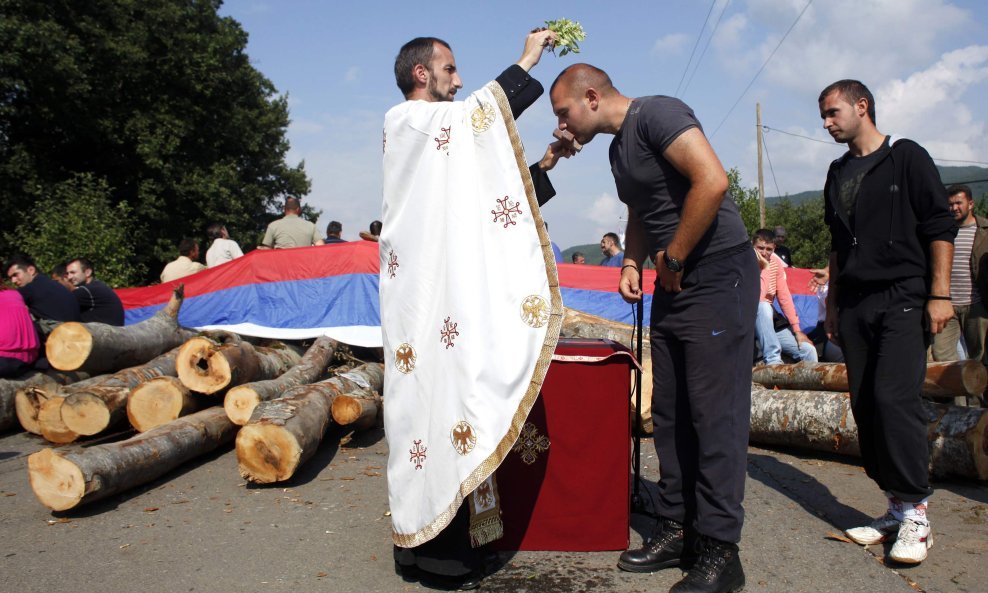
column 706, row 46
column 778, row 191
column 692, row 53
column 834, row 144
column 755, row 77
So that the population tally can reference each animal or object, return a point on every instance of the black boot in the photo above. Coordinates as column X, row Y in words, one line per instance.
column 664, row 549
column 717, row 570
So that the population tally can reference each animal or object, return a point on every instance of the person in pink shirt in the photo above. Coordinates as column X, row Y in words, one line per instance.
column 776, row 341
column 18, row 338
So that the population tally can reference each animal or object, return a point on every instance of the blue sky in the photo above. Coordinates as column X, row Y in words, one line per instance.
column 925, row 60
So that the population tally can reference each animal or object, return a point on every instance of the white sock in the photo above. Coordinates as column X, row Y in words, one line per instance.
column 896, row 506
column 915, row 511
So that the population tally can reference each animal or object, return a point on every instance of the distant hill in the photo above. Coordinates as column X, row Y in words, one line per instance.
column 976, row 177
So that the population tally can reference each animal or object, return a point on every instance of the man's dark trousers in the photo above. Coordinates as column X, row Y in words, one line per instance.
column 701, row 394
column 884, row 342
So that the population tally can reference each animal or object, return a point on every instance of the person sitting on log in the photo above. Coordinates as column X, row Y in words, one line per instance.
column 48, row 302
column 18, row 338
column 223, row 248
column 333, row 231
column 97, row 301
column 292, row 230
column 58, row 274
column 373, row 233
column 784, row 336
column 185, row 264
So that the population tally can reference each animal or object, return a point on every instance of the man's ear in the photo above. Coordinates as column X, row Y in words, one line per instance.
column 593, row 98
column 861, row 106
column 421, row 74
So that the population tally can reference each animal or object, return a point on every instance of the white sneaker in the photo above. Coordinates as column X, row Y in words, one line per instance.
column 880, row 530
column 912, row 543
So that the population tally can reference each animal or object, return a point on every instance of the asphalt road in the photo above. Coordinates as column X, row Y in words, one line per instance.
column 202, row 528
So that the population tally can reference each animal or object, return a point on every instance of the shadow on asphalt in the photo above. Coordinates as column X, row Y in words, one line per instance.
column 111, row 503
column 805, row 490
column 966, row 488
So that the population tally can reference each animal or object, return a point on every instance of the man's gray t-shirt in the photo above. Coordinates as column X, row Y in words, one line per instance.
column 653, row 188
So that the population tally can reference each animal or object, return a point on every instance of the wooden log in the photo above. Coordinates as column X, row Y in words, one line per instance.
column 10, row 387
column 361, row 409
column 822, row 421
column 62, row 480
column 99, row 348
column 159, row 401
column 28, row 401
column 207, row 366
column 92, row 408
column 50, row 422
column 577, row 324
column 241, row 400
column 944, row 380
column 283, row 433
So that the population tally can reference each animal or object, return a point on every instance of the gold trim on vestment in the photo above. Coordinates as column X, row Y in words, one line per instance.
column 489, row 465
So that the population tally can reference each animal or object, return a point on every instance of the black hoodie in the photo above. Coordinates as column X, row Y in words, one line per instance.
column 901, row 208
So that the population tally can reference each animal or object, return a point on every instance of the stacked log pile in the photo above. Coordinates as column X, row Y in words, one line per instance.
column 807, row 406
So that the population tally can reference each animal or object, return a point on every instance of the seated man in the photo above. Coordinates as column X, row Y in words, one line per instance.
column 223, row 248
column 333, row 231
column 776, row 341
column 185, row 264
column 610, row 246
column 97, row 301
column 47, row 301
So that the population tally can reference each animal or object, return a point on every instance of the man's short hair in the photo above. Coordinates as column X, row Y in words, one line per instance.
column 851, row 90
column 84, row 264
column 375, row 228
column 577, row 254
column 186, row 246
column 334, row 227
column 293, row 204
column 959, row 188
column 58, row 271
column 765, row 235
column 615, row 238
column 416, row 51
column 585, row 75
column 21, row 260
column 215, row 230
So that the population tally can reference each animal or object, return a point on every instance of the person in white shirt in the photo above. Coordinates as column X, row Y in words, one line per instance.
column 223, row 248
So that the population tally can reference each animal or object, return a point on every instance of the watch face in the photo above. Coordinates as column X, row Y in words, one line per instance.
column 672, row 264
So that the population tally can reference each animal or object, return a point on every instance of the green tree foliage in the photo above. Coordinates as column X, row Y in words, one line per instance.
column 77, row 219
column 157, row 98
column 807, row 236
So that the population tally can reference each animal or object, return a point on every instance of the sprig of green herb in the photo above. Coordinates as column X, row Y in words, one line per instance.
column 568, row 33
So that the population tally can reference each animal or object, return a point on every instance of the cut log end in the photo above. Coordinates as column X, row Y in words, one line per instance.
column 201, row 367
column 346, row 410
column 267, row 453
column 157, row 402
column 69, row 346
column 85, row 414
column 27, row 404
column 57, row 482
column 53, row 429
column 240, row 403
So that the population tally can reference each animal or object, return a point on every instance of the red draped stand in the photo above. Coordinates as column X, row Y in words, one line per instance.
column 565, row 484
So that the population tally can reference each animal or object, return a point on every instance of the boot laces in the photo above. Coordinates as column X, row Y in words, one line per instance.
column 665, row 532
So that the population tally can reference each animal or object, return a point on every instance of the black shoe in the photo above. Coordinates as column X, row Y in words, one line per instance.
column 467, row 582
column 717, row 570
column 664, row 549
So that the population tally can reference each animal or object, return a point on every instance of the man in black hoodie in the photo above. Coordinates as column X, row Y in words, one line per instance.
column 891, row 250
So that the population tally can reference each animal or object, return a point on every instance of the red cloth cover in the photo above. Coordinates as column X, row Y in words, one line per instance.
column 565, row 485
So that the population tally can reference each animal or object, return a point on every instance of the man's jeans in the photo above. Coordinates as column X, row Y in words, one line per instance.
column 774, row 343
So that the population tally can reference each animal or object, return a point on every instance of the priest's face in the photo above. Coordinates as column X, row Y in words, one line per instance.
column 443, row 78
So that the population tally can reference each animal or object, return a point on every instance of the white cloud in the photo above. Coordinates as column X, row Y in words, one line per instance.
column 671, row 43
column 608, row 213
column 352, row 74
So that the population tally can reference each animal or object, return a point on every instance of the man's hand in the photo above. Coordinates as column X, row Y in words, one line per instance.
column 629, row 285
column 762, row 262
column 802, row 338
column 819, row 279
column 939, row 312
column 536, row 43
column 830, row 323
column 668, row 280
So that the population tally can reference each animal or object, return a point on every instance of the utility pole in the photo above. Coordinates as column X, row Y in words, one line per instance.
column 761, row 176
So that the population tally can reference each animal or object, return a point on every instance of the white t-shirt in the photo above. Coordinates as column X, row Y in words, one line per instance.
column 222, row 250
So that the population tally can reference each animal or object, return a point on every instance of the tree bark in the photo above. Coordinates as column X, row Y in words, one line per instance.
column 944, row 380
column 207, row 366
column 9, row 388
column 98, row 348
column 240, row 401
column 822, row 421
column 159, row 401
column 93, row 408
column 361, row 409
column 28, row 400
column 577, row 324
column 65, row 479
column 283, row 433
